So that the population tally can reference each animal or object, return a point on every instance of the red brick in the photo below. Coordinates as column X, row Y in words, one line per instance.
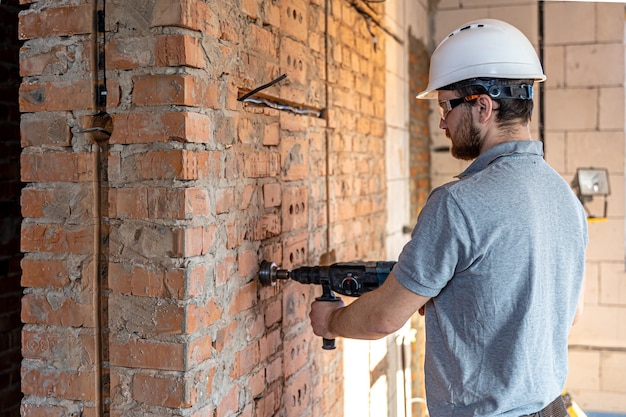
column 224, row 337
column 187, row 90
column 295, row 304
column 45, row 129
column 295, row 208
column 59, row 384
column 55, row 238
column 145, row 353
column 57, row 59
column 272, row 194
column 225, row 270
column 179, row 50
column 294, row 159
column 295, row 251
column 65, row 312
column 56, row 166
column 298, row 393
column 259, row 165
column 174, row 164
column 150, row 315
column 149, row 282
column 244, row 298
column 44, row 273
column 198, row 240
column 162, row 127
column 273, row 313
column 57, row 21
column 158, row 203
column 190, row 14
column 63, row 348
column 54, row 96
column 128, row 53
column 271, row 134
column 199, row 350
column 224, row 200
column 296, row 352
column 248, row 263
column 245, row 360
column 201, row 316
column 268, row 226
column 229, row 404
column 167, row 391
column 274, row 370
column 270, row 344
column 31, row 410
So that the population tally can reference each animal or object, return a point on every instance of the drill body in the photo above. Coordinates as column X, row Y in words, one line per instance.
column 348, row 278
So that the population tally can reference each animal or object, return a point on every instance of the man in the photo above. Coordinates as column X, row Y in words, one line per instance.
column 497, row 257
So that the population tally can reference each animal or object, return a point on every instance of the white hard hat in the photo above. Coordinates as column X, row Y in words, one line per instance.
column 485, row 48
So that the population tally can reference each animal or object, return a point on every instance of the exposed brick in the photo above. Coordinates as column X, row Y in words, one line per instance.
column 175, row 164
column 187, row 90
column 57, row 166
column 272, row 194
column 55, row 238
column 139, row 127
column 179, row 50
column 295, row 208
column 257, row 165
column 201, row 316
column 128, row 53
column 190, row 14
column 245, row 360
column 44, row 273
column 299, row 393
column 167, row 391
column 270, row 344
column 229, row 404
column 176, row 283
column 151, row 316
column 56, row 21
column 225, row 270
column 145, row 353
column 294, row 160
column 158, row 203
column 248, row 263
column 66, row 348
column 59, row 59
column 59, row 384
column 273, row 313
column 56, row 309
column 244, row 298
column 224, row 200
column 45, row 129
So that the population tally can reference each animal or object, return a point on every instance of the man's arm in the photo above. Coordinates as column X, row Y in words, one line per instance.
column 373, row 315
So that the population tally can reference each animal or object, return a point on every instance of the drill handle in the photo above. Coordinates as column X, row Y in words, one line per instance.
column 327, row 295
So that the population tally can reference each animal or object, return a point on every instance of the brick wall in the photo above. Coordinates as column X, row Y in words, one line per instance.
column 142, row 246
column 10, row 291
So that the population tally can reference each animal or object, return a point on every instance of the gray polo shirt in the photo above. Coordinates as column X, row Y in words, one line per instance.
column 502, row 252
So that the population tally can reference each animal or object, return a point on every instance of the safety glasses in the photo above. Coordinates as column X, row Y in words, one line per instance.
column 446, row 106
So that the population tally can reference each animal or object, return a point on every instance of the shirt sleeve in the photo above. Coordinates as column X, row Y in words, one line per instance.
column 440, row 246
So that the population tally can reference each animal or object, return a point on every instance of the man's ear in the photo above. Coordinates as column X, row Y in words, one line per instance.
column 485, row 106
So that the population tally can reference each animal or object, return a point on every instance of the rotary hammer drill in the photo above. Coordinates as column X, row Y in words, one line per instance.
column 347, row 278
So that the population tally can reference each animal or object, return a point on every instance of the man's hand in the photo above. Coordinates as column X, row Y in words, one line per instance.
column 321, row 316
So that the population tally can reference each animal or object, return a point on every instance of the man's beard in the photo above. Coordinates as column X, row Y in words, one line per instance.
column 466, row 143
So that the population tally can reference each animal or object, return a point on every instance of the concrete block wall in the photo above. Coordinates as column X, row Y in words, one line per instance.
column 145, row 219
column 584, row 126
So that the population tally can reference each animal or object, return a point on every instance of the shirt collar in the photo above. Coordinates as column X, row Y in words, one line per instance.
column 503, row 149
